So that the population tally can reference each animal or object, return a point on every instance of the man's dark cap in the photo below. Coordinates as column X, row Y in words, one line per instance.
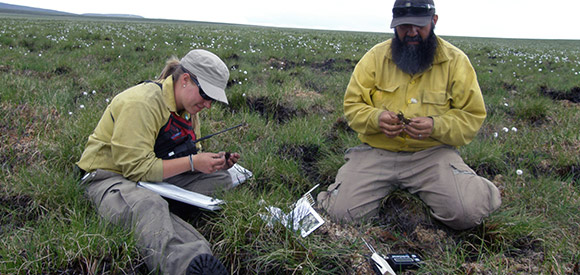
column 413, row 12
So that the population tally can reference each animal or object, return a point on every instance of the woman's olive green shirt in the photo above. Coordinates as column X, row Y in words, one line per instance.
column 448, row 92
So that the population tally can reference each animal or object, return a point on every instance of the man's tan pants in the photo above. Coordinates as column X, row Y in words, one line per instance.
column 455, row 194
column 167, row 242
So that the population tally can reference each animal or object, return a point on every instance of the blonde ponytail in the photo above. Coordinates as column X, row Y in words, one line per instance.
column 172, row 67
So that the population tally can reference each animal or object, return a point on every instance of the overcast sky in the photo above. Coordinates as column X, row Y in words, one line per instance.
column 487, row 18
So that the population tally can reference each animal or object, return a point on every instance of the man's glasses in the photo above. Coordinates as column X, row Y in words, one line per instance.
column 423, row 10
column 201, row 92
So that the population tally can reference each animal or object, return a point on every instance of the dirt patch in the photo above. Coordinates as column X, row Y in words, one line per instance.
column 335, row 65
column 18, row 130
column 344, row 235
column 281, row 64
column 509, row 87
column 572, row 171
column 26, row 73
column 58, row 71
column 233, row 56
column 404, row 212
column 62, row 70
column 312, row 95
column 269, row 108
column 545, row 168
column 307, row 155
column 525, row 246
column 340, row 126
column 573, row 95
column 15, row 211
column 327, row 65
column 549, row 167
column 522, row 257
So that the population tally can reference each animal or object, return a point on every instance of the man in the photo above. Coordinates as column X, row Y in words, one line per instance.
column 413, row 100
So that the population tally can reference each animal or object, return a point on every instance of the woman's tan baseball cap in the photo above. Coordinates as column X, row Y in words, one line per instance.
column 211, row 72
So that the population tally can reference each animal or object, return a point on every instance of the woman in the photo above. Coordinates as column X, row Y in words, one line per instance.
column 146, row 134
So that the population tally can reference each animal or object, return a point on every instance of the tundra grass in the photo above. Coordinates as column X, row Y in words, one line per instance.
column 57, row 76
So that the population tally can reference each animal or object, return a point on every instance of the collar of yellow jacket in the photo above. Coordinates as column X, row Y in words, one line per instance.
column 441, row 54
column 169, row 94
column 169, row 99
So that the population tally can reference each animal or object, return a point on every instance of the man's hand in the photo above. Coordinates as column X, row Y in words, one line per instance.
column 390, row 124
column 419, row 127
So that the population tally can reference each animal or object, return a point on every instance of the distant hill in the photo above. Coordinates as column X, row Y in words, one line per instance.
column 9, row 8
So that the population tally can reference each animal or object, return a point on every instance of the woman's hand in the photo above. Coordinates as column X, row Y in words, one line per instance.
column 229, row 159
column 208, row 163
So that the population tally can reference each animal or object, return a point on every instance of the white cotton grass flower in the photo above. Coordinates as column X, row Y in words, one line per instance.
column 70, row 113
column 94, row 92
column 505, row 129
column 514, row 129
column 82, row 106
column 85, row 93
column 519, row 172
column 495, row 134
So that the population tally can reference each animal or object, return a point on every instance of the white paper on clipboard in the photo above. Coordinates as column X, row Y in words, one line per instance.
column 239, row 175
column 171, row 191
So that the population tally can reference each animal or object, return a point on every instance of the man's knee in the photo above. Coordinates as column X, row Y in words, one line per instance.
column 467, row 215
column 346, row 209
column 327, row 201
column 458, row 218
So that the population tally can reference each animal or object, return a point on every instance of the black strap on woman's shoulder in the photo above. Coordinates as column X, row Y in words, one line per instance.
column 150, row 81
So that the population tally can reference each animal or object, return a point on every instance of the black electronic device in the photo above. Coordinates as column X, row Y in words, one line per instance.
column 404, row 261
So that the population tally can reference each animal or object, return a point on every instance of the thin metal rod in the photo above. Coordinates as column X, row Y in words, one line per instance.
column 211, row 135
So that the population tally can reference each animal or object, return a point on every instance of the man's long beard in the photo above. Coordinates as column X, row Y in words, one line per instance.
column 414, row 59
